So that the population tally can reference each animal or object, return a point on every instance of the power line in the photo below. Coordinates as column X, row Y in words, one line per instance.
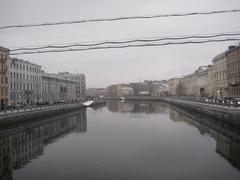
column 126, row 41
column 121, row 18
column 125, row 46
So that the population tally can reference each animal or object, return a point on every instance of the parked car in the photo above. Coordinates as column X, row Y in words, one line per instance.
column 236, row 101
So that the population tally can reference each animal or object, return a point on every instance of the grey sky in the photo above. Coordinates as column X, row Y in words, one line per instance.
column 104, row 67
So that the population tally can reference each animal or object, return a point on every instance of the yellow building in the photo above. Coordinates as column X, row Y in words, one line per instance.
column 233, row 70
column 190, row 85
column 210, row 81
column 4, row 76
column 120, row 90
column 220, row 87
column 175, row 86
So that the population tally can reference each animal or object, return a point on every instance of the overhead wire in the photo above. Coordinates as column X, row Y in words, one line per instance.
column 120, row 18
column 124, row 46
column 155, row 39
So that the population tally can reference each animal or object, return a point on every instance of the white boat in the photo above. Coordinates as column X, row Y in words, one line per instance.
column 122, row 98
column 88, row 103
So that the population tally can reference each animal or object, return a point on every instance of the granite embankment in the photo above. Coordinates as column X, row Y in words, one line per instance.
column 41, row 112
column 227, row 114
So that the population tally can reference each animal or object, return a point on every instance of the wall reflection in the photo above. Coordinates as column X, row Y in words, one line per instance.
column 227, row 137
column 137, row 107
column 25, row 142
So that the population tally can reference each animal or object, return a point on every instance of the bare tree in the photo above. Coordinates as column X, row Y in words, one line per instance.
column 180, row 89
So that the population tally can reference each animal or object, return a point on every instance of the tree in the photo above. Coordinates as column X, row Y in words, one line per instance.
column 180, row 89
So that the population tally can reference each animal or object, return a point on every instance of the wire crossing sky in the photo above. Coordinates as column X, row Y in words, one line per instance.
column 119, row 41
column 146, row 40
column 122, row 18
column 126, row 46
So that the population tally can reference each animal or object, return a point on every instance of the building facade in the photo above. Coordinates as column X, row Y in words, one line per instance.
column 55, row 88
column 202, row 81
column 96, row 92
column 80, row 80
column 120, row 90
column 159, row 88
column 4, row 77
column 233, row 70
column 210, row 81
column 190, row 85
column 25, row 85
column 220, row 88
column 141, row 88
column 175, row 86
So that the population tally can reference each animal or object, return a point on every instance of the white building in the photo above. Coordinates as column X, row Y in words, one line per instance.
column 202, row 80
column 80, row 80
column 55, row 88
column 25, row 82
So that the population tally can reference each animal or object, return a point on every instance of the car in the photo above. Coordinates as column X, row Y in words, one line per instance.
column 237, row 101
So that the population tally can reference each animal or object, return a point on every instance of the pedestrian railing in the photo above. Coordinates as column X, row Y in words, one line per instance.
column 210, row 101
column 21, row 109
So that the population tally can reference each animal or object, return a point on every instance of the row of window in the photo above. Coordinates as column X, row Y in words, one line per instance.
column 4, row 91
column 233, row 56
column 21, row 95
column 233, row 66
column 221, row 75
column 234, row 91
column 3, row 68
column 25, row 77
column 27, row 86
column 76, row 78
column 219, row 65
column 25, row 67
column 80, row 87
column 57, row 89
column 3, row 57
column 4, row 80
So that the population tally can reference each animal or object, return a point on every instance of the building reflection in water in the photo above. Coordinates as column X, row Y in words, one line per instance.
column 227, row 138
column 21, row 144
column 137, row 107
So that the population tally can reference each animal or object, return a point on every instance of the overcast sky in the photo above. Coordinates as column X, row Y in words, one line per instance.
column 105, row 67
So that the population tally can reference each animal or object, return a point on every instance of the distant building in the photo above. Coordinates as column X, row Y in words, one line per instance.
column 158, row 88
column 220, row 75
column 80, row 80
column 120, row 90
column 202, row 80
column 199, row 83
column 55, row 88
column 4, row 76
column 233, row 70
column 25, row 85
column 96, row 92
column 190, row 85
column 175, row 86
column 210, row 81
column 141, row 88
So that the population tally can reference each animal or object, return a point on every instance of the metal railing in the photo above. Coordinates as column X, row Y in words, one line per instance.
column 226, row 102
column 31, row 108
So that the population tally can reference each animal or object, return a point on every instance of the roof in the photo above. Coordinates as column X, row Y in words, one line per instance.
column 23, row 61
column 4, row 49
column 218, row 57
column 55, row 76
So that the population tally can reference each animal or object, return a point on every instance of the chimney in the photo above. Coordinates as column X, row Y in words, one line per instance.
column 231, row 47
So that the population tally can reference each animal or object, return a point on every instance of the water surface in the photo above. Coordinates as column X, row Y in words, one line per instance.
column 124, row 140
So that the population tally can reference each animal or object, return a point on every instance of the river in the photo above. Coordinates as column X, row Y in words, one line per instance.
column 123, row 140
